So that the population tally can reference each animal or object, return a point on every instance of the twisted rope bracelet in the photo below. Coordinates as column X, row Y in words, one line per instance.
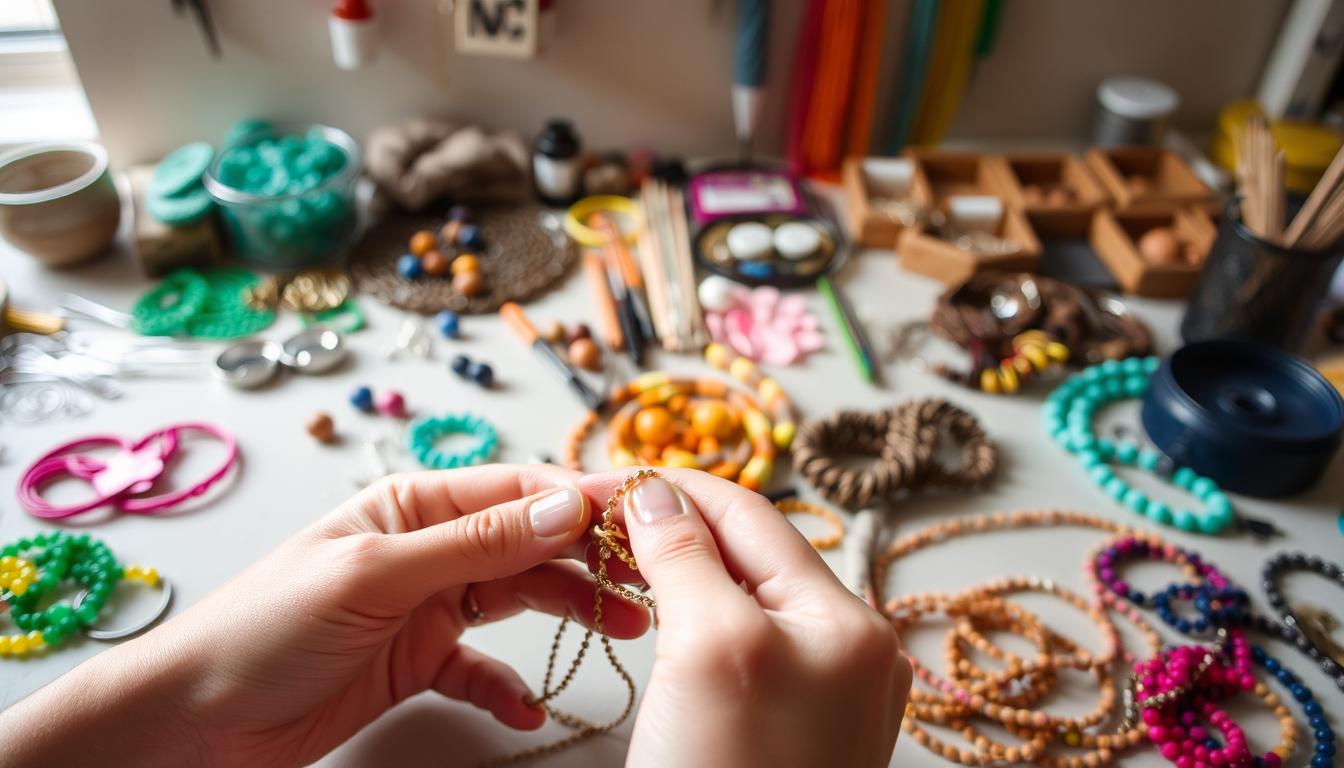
column 903, row 440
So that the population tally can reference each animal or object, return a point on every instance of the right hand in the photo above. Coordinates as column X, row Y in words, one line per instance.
column 792, row 670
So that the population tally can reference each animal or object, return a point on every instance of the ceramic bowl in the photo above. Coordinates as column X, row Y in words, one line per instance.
column 58, row 202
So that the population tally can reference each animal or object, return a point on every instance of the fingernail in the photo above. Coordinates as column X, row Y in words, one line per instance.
column 655, row 499
column 556, row 513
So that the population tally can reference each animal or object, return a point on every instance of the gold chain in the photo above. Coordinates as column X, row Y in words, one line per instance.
column 608, row 536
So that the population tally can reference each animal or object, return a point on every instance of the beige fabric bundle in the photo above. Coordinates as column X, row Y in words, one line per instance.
column 423, row 160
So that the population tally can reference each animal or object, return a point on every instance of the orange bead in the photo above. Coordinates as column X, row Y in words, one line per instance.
column 434, row 262
column 423, row 242
column 466, row 263
column 468, row 283
column 585, row 354
column 654, row 426
column 711, row 419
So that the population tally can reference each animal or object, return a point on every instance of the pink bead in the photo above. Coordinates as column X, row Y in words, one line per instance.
column 1156, row 733
column 391, row 403
column 1272, row 760
column 1171, row 750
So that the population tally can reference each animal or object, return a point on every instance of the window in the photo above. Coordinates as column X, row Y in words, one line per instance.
column 40, row 95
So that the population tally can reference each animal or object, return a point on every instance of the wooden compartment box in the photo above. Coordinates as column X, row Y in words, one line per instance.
column 1067, row 253
column 1056, row 186
column 1147, row 178
column 868, row 182
column 940, row 175
column 1115, row 236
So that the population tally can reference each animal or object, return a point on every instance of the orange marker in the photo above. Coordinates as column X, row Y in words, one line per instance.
column 524, row 330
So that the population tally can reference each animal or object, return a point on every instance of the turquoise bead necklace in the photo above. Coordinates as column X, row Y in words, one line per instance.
column 423, row 434
column 1068, row 415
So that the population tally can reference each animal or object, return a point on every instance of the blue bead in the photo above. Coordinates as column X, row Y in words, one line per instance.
column 449, row 322
column 1318, row 722
column 1212, row 744
column 1136, row 596
column 1183, row 625
column 1322, row 761
column 1201, row 625
column 1312, row 708
column 362, row 398
column 482, row 374
column 1325, row 735
column 1302, row 693
column 409, row 267
column 760, row 270
column 470, row 237
column 460, row 365
column 1325, row 748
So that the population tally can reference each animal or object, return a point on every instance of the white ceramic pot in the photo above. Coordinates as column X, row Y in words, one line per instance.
column 58, row 202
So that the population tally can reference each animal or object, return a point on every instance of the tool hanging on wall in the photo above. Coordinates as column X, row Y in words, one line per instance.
column 201, row 11
column 753, row 31
column 354, row 34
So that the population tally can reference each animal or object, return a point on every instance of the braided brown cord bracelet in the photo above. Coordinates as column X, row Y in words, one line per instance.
column 903, row 441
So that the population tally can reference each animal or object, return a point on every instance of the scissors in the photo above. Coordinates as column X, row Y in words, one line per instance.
column 119, row 480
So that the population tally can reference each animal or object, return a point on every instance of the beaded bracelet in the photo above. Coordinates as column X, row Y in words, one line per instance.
column 799, row 507
column 1304, row 625
column 1068, row 413
column 424, row 433
column 1220, row 606
column 209, row 305
column 1032, row 354
column 903, row 440
column 701, row 423
column 32, row 569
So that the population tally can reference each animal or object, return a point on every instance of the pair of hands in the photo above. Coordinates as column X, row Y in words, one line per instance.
column 366, row 607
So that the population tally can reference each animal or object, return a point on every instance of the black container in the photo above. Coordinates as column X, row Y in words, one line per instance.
column 1254, row 291
column 1253, row 419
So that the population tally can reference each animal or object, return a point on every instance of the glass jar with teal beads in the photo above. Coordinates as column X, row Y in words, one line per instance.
column 1068, row 417
column 287, row 193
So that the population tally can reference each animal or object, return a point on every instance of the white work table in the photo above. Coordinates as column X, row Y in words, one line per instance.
column 287, row 480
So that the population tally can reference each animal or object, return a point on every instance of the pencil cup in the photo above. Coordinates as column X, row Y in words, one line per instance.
column 1255, row 291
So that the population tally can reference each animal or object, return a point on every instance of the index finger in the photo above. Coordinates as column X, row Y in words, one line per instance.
column 757, row 544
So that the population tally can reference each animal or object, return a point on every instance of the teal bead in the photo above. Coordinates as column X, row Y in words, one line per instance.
column 1053, row 424
column 1218, row 503
column 1158, row 512
column 1082, row 442
column 1185, row 520
column 1131, row 365
column 1203, row 487
column 1126, row 452
column 1183, row 477
column 1094, row 392
column 1109, row 367
column 1135, row 500
column 1106, row 448
column 1101, row 474
column 1089, row 375
column 1212, row 524
column 1148, row 458
column 1089, row 459
column 1151, row 364
column 1135, row 386
column 1116, row 488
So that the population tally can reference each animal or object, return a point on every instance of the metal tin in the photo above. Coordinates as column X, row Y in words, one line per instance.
column 248, row 364
column 316, row 350
column 1255, row 420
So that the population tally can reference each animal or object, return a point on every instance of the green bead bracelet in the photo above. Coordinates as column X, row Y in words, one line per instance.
column 1067, row 416
column 425, row 433
column 54, row 557
column 165, row 309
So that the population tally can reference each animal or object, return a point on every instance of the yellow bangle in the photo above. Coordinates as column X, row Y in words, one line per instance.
column 616, row 204
column 797, row 507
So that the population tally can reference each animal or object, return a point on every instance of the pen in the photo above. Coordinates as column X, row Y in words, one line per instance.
column 859, row 348
column 513, row 315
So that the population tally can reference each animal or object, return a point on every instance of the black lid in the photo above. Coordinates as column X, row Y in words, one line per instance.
column 558, row 139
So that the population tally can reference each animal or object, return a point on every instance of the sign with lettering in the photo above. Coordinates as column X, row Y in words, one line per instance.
column 496, row 27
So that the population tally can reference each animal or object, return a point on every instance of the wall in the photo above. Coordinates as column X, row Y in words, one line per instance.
column 630, row 72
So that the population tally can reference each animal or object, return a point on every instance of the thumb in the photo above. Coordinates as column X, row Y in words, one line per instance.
column 676, row 551
column 495, row 542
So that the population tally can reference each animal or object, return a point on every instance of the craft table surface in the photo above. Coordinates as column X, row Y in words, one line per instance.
column 287, row 481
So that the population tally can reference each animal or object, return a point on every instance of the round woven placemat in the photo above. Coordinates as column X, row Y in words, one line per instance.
column 520, row 260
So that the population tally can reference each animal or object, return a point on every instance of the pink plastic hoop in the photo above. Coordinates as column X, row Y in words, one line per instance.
column 68, row 461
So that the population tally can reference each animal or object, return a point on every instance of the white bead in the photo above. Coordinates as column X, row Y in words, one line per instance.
column 795, row 240
column 750, row 240
column 716, row 293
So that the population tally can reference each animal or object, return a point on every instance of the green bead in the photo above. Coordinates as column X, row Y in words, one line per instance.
column 1185, row 520
column 1183, row 477
column 1158, row 512
column 86, row 614
column 1135, row 500
column 53, row 636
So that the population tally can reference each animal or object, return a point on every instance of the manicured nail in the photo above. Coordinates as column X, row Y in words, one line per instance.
column 556, row 513
column 655, row 498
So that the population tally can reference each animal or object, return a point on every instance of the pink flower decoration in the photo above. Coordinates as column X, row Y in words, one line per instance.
column 766, row 327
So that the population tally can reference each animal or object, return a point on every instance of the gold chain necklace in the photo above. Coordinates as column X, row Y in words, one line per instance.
column 608, row 537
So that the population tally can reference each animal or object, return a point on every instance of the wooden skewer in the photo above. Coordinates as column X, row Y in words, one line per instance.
column 1325, row 189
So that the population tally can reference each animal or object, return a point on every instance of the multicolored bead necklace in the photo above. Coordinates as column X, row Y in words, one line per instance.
column 1067, row 416
column 1222, row 608
column 32, row 568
